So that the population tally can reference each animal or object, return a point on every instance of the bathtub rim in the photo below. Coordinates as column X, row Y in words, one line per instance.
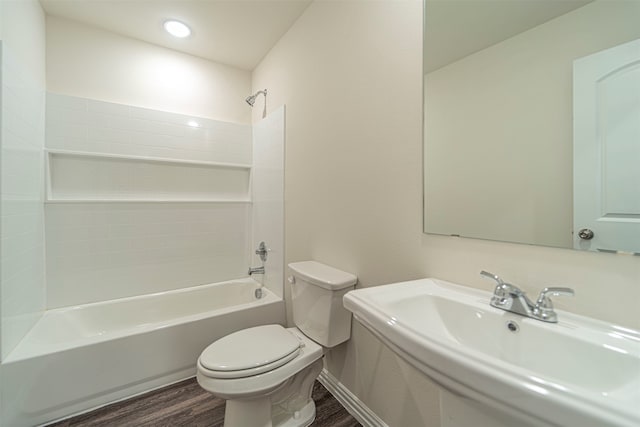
column 19, row 354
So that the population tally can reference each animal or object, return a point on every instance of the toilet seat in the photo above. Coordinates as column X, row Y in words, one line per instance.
column 256, row 385
column 250, row 352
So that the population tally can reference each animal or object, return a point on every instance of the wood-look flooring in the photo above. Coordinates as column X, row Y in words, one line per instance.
column 187, row 404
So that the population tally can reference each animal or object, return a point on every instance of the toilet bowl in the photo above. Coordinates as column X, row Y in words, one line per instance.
column 261, row 385
column 266, row 373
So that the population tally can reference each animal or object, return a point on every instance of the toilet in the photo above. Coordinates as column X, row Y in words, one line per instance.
column 266, row 373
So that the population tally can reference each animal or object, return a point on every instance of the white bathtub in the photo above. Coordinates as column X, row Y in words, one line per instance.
column 78, row 358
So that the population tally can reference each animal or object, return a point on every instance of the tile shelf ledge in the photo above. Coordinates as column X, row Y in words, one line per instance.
column 145, row 158
column 93, row 177
column 122, row 200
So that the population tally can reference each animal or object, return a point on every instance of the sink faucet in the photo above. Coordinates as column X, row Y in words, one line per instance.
column 511, row 298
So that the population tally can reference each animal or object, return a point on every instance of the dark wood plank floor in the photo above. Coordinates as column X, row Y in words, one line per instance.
column 186, row 404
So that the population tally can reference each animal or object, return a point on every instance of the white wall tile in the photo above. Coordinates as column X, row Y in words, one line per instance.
column 85, row 125
column 22, row 286
column 67, row 102
column 102, row 251
column 268, row 196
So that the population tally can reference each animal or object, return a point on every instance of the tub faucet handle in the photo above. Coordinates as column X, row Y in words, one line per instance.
column 262, row 251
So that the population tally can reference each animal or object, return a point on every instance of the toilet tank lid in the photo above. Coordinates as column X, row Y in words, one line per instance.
column 323, row 275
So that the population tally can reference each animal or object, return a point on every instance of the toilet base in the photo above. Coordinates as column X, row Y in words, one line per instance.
column 302, row 418
column 257, row 413
column 290, row 405
column 254, row 412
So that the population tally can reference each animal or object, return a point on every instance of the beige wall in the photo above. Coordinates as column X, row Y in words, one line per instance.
column 91, row 63
column 350, row 75
column 507, row 112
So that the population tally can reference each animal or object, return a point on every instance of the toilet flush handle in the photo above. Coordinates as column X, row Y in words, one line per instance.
column 291, row 280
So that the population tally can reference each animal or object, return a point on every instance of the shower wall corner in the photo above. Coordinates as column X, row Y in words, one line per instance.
column 267, row 184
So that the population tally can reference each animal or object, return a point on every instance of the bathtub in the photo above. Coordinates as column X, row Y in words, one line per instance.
column 78, row 358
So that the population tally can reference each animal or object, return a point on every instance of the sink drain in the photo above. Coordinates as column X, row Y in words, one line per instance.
column 513, row 326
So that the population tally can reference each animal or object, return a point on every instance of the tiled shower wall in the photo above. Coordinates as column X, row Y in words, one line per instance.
column 88, row 125
column 22, row 287
column 268, row 196
column 105, row 250
column 22, row 270
column 102, row 251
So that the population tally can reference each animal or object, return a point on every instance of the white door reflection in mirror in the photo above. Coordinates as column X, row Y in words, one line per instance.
column 607, row 149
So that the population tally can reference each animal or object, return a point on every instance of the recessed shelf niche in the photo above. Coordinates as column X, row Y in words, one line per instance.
column 74, row 176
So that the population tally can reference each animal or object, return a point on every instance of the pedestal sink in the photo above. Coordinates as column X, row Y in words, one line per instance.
column 577, row 372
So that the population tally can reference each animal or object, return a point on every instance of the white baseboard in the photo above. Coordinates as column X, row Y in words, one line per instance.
column 351, row 403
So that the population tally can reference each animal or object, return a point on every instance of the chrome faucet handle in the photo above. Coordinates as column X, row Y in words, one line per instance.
column 503, row 289
column 544, row 306
column 504, row 293
column 492, row 277
column 545, row 302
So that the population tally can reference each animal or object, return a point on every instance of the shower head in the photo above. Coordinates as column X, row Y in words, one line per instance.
column 252, row 99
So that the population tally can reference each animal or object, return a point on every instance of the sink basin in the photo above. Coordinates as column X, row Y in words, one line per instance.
column 577, row 372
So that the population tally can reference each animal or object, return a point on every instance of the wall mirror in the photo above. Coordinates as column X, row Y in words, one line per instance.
column 532, row 122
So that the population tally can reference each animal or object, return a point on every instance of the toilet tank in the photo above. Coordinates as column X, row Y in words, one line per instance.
column 316, row 293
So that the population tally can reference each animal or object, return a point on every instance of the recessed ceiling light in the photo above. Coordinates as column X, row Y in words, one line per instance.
column 177, row 28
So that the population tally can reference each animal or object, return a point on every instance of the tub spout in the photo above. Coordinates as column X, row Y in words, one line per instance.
column 256, row 270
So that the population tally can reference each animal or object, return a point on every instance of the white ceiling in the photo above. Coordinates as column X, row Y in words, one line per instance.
column 457, row 28
column 234, row 32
